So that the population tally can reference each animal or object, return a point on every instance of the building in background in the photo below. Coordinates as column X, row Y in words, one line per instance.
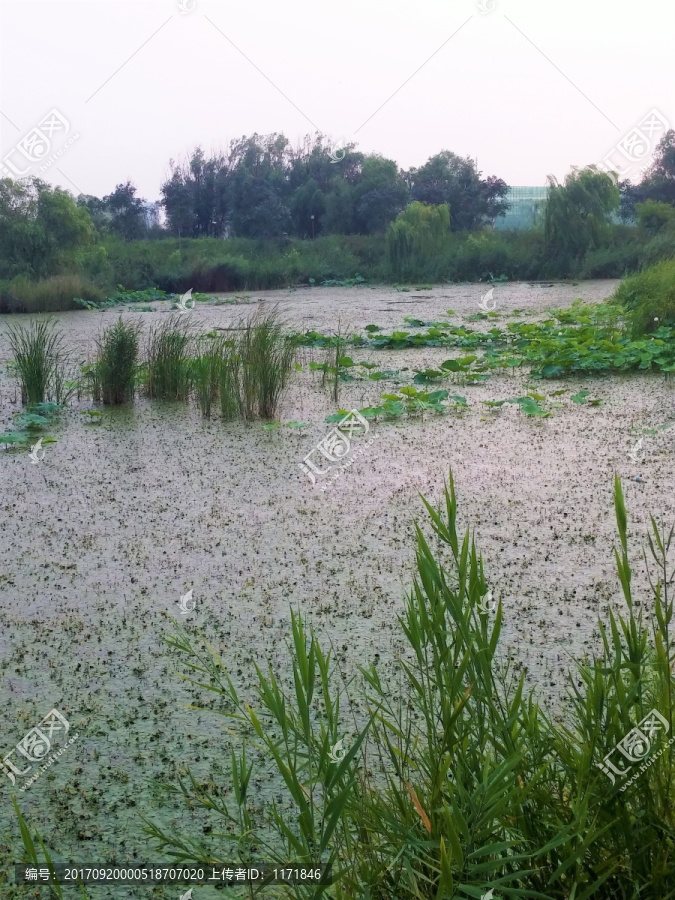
column 525, row 208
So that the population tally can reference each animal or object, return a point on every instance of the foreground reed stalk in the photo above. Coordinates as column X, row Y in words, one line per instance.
column 448, row 781
column 230, row 382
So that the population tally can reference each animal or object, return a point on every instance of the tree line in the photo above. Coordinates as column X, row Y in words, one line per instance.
column 262, row 187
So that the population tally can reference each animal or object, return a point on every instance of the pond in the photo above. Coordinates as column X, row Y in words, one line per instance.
column 102, row 538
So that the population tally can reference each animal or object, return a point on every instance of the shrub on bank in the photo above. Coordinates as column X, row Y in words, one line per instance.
column 53, row 294
column 212, row 265
column 649, row 297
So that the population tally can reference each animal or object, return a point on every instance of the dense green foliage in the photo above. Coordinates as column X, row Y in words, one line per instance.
column 264, row 188
column 210, row 265
column 39, row 227
column 448, row 179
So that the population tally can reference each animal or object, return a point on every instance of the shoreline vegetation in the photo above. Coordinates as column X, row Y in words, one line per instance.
column 209, row 265
column 267, row 216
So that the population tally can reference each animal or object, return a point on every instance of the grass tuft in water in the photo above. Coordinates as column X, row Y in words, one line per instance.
column 40, row 361
column 115, row 371
column 266, row 356
column 205, row 371
column 168, row 360
column 230, row 382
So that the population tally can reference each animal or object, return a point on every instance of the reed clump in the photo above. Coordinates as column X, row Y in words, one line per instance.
column 230, row 382
column 114, row 373
column 40, row 361
column 265, row 353
column 205, row 371
column 168, row 359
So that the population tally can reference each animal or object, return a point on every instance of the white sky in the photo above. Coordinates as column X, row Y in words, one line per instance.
column 528, row 88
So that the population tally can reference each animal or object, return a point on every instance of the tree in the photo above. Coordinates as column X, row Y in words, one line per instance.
column 260, row 190
column 379, row 195
column 126, row 212
column 659, row 181
column 39, row 225
column 419, row 234
column 98, row 211
column 307, row 205
column 195, row 196
column 576, row 215
column 340, row 216
column 258, row 210
column 653, row 215
column 448, row 178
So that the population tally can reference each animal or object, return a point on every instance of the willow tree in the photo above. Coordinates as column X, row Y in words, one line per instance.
column 416, row 237
column 577, row 215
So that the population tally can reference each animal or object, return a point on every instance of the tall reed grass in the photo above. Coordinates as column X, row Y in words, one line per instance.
column 266, row 355
column 205, row 371
column 115, row 370
column 230, row 382
column 40, row 361
column 452, row 782
column 168, row 359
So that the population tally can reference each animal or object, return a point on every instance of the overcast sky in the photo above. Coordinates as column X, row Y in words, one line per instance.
column 529, row 88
